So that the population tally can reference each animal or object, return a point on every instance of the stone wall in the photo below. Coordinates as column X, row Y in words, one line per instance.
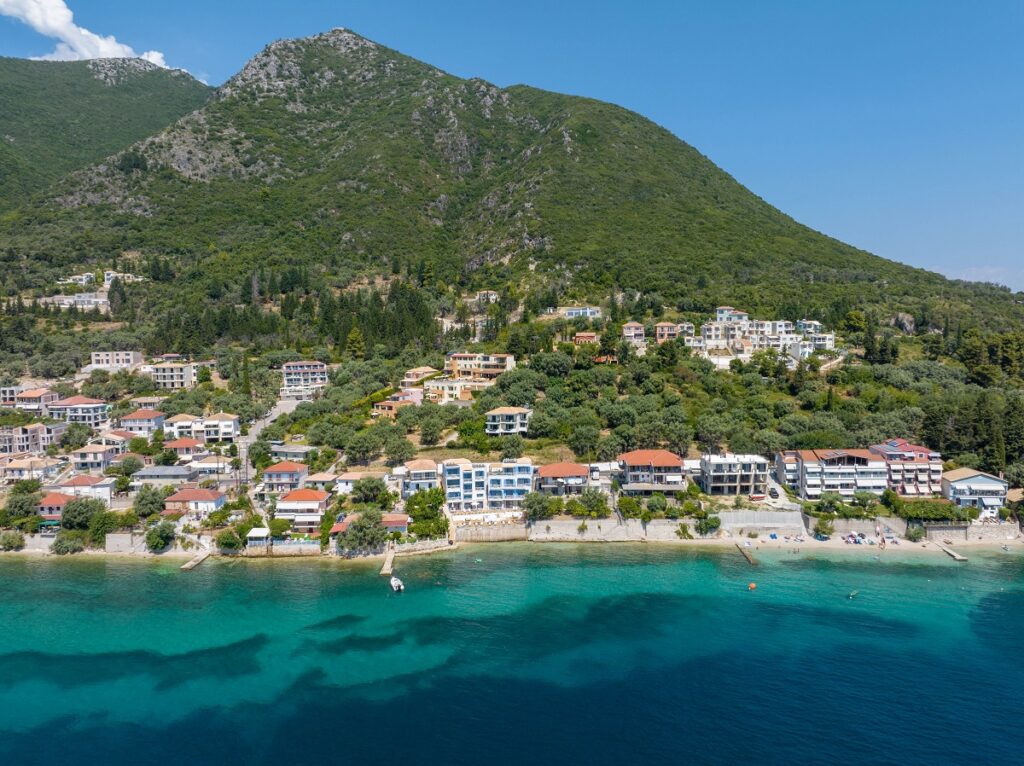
column 422, row 546
column 490, row 534
column 974, row 533
column 609, row 530
column 842, row 527
column 743, row 523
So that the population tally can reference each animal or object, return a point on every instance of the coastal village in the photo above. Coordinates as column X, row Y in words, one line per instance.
column 198, row 483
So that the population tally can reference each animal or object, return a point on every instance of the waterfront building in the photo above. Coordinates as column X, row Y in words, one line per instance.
column 913, row 470
column 729, row 474
column 560, row 479
column 971, row 488
column 845, row 472
column 645, row 471
column 198, row 503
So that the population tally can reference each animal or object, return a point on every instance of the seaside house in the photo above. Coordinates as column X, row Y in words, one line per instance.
column 396, row 522
column 971, row 488
column 417, row 475
column 303, row 505
column 143, row 422
column 913, row 470
column 560, row 479
column 646, row 471
column 730, row 474
column 197, row 503
column 505, row 421
column 51, row 506
column 81, row 409
column 285, row 476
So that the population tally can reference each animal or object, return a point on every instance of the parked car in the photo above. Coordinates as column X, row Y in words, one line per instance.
column 773, row 493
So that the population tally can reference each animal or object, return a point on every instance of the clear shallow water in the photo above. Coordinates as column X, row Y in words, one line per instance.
column 547, row 654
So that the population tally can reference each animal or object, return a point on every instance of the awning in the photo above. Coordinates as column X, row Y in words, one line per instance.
column 992, row 502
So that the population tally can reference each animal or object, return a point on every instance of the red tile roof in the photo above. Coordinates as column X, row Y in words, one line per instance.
column 392, row 520
column 183, row 444
column 193, row 496
column 658, row 458
column 55, row 500
column 82, row 481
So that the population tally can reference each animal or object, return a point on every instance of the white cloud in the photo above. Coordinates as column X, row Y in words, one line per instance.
column 53, row 18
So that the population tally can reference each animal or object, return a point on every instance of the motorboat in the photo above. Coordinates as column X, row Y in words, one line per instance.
column 397, row 585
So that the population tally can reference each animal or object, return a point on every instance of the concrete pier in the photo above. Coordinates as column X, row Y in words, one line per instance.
column 195, row 561
column 746, row 553
column 389, row 561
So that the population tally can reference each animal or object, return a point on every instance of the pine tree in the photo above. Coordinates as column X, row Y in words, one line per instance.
column 355, row 346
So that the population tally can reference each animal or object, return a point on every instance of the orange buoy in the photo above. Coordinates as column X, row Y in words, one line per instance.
column 752, row 586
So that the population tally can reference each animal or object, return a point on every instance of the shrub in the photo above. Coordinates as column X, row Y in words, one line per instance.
column 279, row 527
column 229, row 540
column 160, row 536
column 11, row 541
column 915, row 534
column 67, row 542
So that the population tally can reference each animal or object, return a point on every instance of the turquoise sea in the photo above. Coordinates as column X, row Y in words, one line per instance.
column 515, row 654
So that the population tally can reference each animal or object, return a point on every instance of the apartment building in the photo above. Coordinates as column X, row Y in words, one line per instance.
column 302, row 502
column 809, row 326
column 913, row 470
column 730, row 474
column 447, row 390
column 634, row 333
column 813, row 472
column 31, row 439
column 486, row 487
column 8, row 394
column 143, row 422
column 35, row 401
column 175, row 376
column 478, row 366
column 303, row 380
column 645, row 471
column 221, row 427
column 41, row 468
column 81, row 409
column 505, row 421
column 970, row 488
column 112, row 361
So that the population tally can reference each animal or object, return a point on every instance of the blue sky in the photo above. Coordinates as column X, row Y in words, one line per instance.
column 894, row 126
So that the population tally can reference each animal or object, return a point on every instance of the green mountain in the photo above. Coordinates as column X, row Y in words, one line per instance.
column 56, row 117
column 347, row 158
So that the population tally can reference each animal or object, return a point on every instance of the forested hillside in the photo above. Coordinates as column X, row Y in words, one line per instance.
column 59, row 116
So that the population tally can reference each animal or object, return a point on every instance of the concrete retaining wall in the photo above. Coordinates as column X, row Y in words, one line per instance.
column 867, row 526
column 488, row 534
column 974, row 533
column 422, row 546
column 609, row 530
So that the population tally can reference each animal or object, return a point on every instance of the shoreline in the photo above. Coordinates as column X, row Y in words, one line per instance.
column 809, row 546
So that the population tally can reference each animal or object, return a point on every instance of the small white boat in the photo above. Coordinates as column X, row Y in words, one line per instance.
column 397, row 585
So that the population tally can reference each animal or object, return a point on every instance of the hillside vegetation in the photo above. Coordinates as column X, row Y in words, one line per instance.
column 59, row 116
column 346, row 159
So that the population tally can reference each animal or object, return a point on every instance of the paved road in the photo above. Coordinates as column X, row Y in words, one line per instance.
column 281, row 407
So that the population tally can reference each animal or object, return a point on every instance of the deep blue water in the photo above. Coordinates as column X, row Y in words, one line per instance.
column 515, row 653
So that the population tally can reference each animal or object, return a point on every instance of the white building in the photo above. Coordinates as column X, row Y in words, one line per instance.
column 505, row 421
column 112, row 361
column 970, row 488
column 143, row 422
column 446, row 390
column 634, row 333
column 221, row 427
column 175, row 376
column 485, row 487
column 842, row 471
column 35, row 401
column 730, row 474
column 81, row 409
column 303, row 380
column 478, row 366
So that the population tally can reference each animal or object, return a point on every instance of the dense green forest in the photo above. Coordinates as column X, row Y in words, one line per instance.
column 60, row 116
column 345, row 159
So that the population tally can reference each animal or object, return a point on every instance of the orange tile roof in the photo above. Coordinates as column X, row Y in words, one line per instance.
column 82, row 481
column 306, row 495
column 562, row 470
column 55, row 499
column 193, row 495
column 658, row 458
column 143, row 415
column 182, row 443
column 75, row 401
column 287, row 466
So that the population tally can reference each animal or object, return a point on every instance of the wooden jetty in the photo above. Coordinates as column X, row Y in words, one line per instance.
column 746, row 553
